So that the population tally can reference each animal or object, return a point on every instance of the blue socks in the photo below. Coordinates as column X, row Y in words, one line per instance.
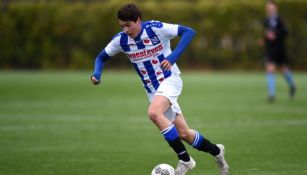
column 289, row 78
column 197, row 140
column 170, row 133
column 171, row 136
column 202, row 144
column 271, row 84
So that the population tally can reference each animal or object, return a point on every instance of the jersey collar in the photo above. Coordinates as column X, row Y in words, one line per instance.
column 141, row 32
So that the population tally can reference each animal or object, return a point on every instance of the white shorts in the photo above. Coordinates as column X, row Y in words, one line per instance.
column 171, row 89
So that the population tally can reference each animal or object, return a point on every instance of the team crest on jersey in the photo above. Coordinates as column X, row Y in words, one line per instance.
column 155, row 40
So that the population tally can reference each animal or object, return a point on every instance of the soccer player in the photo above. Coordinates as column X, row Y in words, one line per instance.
column 147, row 45
column 275, row 50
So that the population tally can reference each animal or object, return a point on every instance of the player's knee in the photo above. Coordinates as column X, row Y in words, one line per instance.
column 153, row 114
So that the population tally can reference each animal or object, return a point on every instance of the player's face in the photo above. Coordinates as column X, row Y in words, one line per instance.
column 130, row 27
column 271, row 9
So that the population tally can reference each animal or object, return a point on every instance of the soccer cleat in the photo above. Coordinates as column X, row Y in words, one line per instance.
column 271, row 99
column 183, row 167
column 221, row 162
column 292, row 92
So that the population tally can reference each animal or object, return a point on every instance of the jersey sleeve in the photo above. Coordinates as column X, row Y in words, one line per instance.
column 113, row 47
column 169, row 31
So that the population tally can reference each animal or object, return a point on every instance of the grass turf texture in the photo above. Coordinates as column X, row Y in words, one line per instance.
column 58, row 123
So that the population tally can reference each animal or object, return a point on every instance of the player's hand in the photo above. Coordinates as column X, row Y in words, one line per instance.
column 94, row 80
column 271, row 35
column 166, row 65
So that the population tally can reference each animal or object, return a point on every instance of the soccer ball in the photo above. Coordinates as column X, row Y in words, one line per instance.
column 163, row 169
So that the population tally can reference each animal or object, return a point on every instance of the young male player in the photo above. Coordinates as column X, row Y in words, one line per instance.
column 147, row 44
column 274, row 37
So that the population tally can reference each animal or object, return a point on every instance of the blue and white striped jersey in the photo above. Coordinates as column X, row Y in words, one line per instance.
column 147, row 51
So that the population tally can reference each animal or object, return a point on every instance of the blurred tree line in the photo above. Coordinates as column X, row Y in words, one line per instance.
column 41, row 34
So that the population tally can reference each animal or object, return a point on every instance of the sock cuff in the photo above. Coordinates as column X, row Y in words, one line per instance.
column 170, row 133
column 166, row 130
column 197, row 139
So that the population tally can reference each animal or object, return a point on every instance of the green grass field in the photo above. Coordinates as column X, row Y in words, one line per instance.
column 58, row 123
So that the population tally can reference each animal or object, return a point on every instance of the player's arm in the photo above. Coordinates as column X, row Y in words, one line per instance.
column 187, row 35
column 100, row 60
column 110, row 50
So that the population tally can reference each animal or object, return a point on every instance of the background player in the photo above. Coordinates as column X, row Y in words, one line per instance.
column 275, row 50
column 147, row 44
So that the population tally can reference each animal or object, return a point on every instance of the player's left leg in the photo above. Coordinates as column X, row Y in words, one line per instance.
column 194, row 138
column 289, row 78
column 200, row 143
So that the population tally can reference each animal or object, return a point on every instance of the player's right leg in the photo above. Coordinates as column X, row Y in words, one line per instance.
column 159, row 105
column 270, row 74
column 289, row 78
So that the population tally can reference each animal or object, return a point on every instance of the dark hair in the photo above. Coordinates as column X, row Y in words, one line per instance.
column 129, row 12
column 272, row 2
